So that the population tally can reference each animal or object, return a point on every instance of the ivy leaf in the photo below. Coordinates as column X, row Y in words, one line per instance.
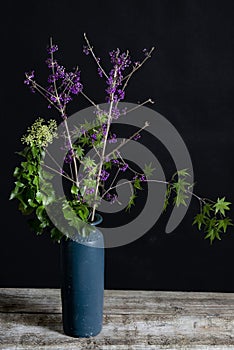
column 74, row 189
column 19, row 184
column 221, row 206
column 55, row 234
column 31, row 203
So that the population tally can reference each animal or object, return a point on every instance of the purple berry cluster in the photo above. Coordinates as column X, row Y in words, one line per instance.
column 120, row 62
column 62, row 84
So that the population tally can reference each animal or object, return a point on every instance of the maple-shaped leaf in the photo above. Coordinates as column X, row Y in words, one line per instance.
column 224, row 224
column 199, row 220
column 148, row 170
column 221, row 206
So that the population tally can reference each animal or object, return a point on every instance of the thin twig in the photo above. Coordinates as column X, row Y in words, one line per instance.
column 104, row 146
column 54, row 160
column 89, row 99
column 94, row 56
column 125, row 141
column 57, row 172
column 127, row 77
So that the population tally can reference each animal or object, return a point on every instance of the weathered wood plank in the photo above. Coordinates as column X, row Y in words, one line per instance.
column 139, row 320
column 120, row 302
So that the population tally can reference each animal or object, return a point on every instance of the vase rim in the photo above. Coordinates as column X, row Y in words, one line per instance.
column 97, row 221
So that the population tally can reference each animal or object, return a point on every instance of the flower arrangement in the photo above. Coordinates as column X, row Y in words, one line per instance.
column 100, row 173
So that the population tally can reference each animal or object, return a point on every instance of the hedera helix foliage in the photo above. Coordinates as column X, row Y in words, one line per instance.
column 100, row 173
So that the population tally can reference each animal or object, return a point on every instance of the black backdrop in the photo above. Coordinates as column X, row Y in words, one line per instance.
column 191, row 78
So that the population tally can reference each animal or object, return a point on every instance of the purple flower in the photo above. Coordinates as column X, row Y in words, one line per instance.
column 100, row 72
column 143, row 178
column 111, row 198
column 112, row 139
column 121, row 94
column 32, row 89
column 65, row 98
column 86, row 50
column 69, row 156
column 104, row 129
column 83, row 131
column 104, row 175
column 76, row 88
column 51, row 63
column 137, row 137
column 59, row 74
column 124, row 167
column 115, row 161
column 94, row 137
column 90, row 190
column 145, row 51
column 29, row 77
column 52, row 49
column 124, row 110
column 115, row 112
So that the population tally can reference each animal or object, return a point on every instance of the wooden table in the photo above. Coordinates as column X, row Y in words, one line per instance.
column 31, row 319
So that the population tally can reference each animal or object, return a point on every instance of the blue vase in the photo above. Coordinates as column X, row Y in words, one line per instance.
column 82, row 284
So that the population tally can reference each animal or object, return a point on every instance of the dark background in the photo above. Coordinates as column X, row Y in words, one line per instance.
column 191, row 78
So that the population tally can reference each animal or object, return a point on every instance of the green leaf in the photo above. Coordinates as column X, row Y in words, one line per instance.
column 183, row 172
column 224, row 223
column 56, row 235
column 74, row 189
column 108, row 165
column 207, row 208
column 84, row 140
column 88, row 163
column 17, row 172
column 131, row 202
column 221, row 206
column 19, row 184
column 14, row 192
column 167, row 197
column 31, row 203
column 79, row 151
column 199, row 220
column 180, row 198
column 148, row 170
column 137, row 184
column 40, row 212
column 24, row 152
column 45, row 175
column 39, row 197
column 35, row 225
column 210, row 235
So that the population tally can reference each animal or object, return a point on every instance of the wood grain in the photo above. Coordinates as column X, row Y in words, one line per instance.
column 134, row 320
